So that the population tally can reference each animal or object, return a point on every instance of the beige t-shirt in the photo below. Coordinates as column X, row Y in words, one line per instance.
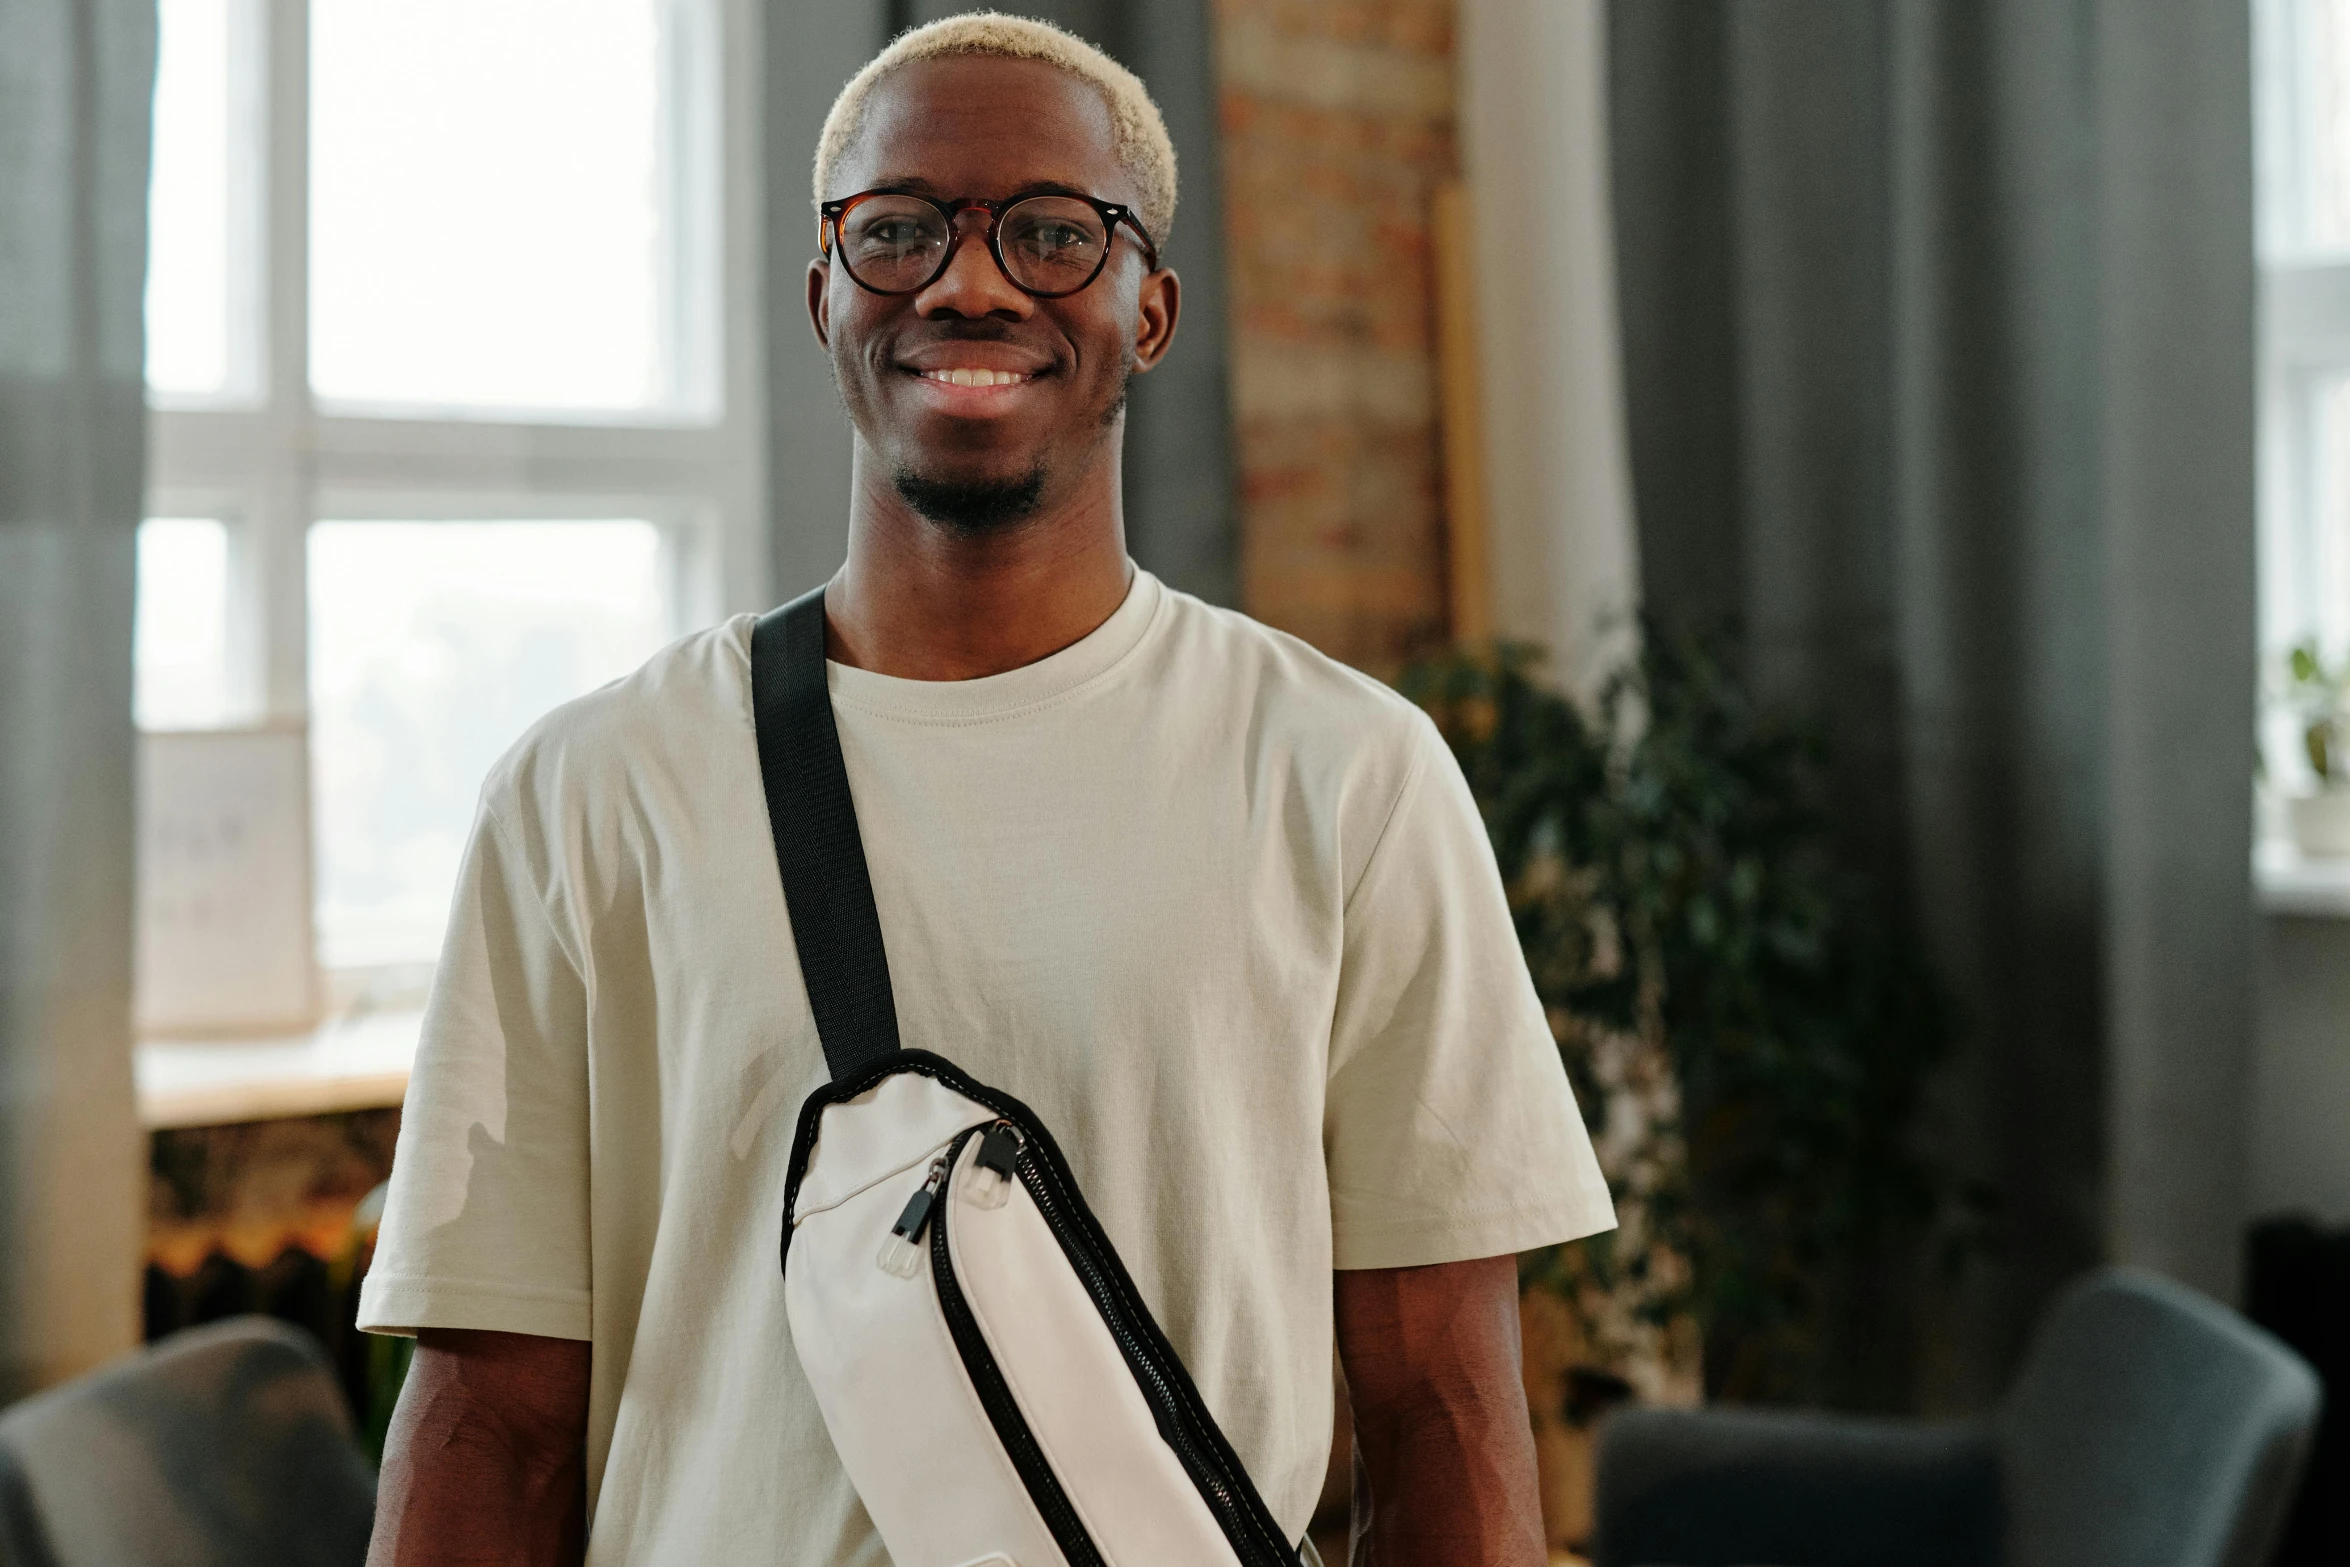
column 1219, row 909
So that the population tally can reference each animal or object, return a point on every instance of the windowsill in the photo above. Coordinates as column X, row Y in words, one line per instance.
column 2289, row 883
column 346, row 1064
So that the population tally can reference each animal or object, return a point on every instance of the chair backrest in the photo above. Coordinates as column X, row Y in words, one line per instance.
column 224, row 1446
column 2151, row 1427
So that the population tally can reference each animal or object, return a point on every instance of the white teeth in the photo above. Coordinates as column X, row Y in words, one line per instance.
column 975, row 377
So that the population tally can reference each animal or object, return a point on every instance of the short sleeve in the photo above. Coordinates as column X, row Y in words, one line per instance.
column 1450, row 1129
column 487, row 1221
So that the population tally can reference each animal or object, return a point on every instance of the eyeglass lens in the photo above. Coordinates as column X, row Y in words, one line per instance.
column 1050, row 244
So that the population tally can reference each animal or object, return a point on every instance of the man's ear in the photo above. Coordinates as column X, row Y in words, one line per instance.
column 820, row 301
column 1154, row 321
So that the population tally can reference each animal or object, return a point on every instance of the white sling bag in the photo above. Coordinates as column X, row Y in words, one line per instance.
column 996, row 1389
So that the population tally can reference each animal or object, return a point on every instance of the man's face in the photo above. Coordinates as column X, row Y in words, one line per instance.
column 977, row 456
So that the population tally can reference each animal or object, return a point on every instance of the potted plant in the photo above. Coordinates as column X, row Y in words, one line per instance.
column 1748, row 1027
column 2319, row 696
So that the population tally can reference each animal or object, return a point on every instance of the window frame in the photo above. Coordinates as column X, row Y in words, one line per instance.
column 2303, row 347
column 2303, row 350
column 271, row 460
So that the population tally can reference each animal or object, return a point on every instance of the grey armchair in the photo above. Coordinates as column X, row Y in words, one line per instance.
column 224, row 1446
column 2150, row 1427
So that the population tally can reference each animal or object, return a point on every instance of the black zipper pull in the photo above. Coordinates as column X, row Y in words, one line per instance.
column 899, row 1252
column 994, row 1167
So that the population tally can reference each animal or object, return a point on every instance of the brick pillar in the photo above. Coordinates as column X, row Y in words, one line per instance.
column 1338, row 124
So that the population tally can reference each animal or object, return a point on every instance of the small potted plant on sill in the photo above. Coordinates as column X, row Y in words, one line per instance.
column 2320, row 697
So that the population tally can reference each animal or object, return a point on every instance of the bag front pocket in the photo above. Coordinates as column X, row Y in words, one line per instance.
column 1100, row 1399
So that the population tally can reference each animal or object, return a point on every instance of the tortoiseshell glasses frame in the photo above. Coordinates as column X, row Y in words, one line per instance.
column 904, row 242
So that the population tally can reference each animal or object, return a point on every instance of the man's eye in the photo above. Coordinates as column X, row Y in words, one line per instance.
column 895, row 234
column 1045, row 238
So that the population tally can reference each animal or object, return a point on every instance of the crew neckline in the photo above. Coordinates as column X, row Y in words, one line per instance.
column 1050, row 678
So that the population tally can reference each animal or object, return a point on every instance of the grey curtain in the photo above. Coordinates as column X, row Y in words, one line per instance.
column 1182, row 515
column 1938, row 326
column 76, row 77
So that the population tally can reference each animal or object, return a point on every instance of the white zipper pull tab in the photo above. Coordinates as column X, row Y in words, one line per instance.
column 900, row 1253
column 994, row 1168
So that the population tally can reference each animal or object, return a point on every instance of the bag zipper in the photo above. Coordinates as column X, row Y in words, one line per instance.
column 995, row 1396
column 899, row 1252
column 1186, row 1427
column 1005, row 1152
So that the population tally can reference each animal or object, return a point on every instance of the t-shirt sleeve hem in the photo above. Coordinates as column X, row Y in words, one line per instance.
column 400, row 1304
column 1503, row 1231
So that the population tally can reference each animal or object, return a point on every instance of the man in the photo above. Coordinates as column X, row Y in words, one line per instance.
column 1220, row 910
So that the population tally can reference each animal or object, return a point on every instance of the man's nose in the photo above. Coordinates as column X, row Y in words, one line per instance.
column 972, row 284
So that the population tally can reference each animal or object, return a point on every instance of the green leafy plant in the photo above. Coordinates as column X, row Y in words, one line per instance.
column 2319, row 693
column 384, row 1360
column 1747, row 1032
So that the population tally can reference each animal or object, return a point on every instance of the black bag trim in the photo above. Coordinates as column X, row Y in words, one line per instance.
column 997, row 1401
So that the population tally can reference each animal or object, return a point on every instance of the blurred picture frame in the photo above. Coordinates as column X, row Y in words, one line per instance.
column 225, row 939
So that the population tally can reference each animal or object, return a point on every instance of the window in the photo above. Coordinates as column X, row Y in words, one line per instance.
column 449, row 418
column 203, row 206
column 2304, row 241
column 432, row 645
column 180, row 638
column 502, row 207
column 2303, row 103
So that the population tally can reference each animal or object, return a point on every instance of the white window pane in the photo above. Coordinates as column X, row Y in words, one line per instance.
column 190, row 201
column 2325, row 62
column 487, row 216
column 2311, row 72
column 2305, row 584
column 180, row 635
column 433, row 645
column 2324, row 564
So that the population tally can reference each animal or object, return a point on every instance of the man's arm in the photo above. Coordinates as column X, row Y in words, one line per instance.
column 1444, row 1450
column 486, row 1460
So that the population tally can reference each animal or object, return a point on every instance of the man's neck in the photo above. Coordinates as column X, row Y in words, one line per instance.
column 925, row 602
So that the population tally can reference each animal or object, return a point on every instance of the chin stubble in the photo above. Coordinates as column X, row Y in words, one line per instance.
column 972, row 506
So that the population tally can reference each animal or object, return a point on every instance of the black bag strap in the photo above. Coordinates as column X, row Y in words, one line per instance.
column 825, row 883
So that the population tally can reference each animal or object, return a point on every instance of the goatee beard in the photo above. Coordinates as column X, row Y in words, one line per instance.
column 972, row 505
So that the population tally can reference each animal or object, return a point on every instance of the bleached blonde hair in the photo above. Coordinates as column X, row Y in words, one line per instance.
column 1138, row 134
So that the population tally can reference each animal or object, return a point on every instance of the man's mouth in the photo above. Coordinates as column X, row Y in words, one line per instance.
column 972, row 376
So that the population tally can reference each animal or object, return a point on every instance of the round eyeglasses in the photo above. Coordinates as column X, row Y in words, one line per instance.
column 1050, row 246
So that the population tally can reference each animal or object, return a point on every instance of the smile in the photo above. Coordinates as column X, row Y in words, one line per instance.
column 975, row 378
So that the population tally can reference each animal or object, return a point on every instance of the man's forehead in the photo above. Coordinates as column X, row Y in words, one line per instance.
column 984, row 125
